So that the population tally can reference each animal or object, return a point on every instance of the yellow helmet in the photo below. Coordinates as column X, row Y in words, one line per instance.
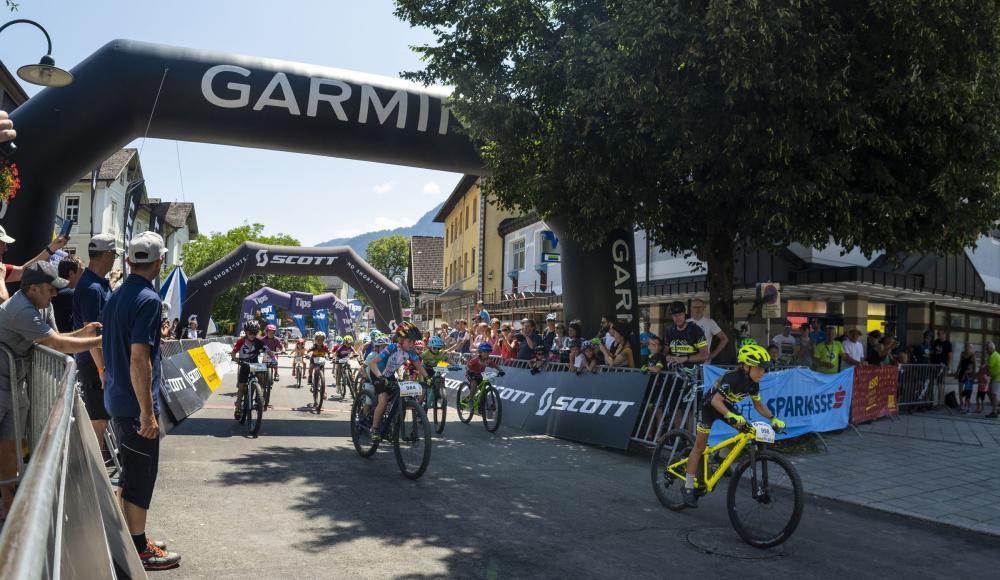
column 754, row 355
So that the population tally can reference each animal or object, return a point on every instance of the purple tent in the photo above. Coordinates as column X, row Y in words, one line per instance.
column 298, row 303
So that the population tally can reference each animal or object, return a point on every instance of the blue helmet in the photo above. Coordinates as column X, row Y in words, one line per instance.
column 484, row 347
column 435, row 342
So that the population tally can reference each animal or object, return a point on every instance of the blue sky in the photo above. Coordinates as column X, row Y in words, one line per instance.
column 319, row 197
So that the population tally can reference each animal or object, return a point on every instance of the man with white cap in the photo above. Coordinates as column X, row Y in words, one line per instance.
column 91, row 294
column 9, row 273
column 131, row 350
column 27, row 318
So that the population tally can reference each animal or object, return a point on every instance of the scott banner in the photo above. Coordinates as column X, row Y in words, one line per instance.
column 189, row 378
column 601, row 409
column 805, row 400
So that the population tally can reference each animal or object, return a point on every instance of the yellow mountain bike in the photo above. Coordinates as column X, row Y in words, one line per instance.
column 765, row 492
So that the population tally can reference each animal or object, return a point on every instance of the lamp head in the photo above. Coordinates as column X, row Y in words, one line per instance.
column 45, row 73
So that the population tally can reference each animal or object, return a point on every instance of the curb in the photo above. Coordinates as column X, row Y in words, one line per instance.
column 910, row 515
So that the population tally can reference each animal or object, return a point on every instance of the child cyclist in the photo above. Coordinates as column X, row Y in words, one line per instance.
column 719, row 403
column 318, row 348
column 273, row 344
column 475, row 367
column 384, row 367
column 378, row 344
column 433, row 354
column 246, row 350
column 299, row 356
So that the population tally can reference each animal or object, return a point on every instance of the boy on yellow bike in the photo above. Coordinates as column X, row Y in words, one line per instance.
column 719, row 404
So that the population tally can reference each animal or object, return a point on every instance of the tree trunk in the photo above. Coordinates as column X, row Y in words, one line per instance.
column 720, row 252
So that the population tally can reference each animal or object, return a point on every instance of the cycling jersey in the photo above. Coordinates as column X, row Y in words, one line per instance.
column 392, row 358
column 431, row 360
column 475, row 366
column 316, row 350
column 734, row 386
column 249, row 350
column 684, row 343
column 274, row 344
column 343, row 351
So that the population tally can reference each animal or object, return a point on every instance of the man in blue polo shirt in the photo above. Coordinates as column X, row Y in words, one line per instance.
column 131, row 349
column 92, row 292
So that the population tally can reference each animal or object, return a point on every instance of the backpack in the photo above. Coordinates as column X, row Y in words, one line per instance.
column 951, row 400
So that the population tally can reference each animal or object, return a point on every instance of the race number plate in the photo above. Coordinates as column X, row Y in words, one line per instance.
column 763, row 432
column 257, row 367
column 490, row 374
column 319, row 361
column 343, row 361
column 410, row 389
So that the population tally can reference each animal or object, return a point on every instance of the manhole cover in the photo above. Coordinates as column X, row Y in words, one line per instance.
column 725, row 542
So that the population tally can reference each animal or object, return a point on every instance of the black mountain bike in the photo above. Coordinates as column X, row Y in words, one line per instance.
column 253, row 399
column 404, row 423
column 435, row 398
column 344, row 377
column 317, row 383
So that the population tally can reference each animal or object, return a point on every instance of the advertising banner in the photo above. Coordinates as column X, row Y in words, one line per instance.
column 320, row 321
column 805, row 400
column 220, row 354
column 204, row 364
column 874, row 393
column 269, row 313
column 300, row 322
column 184, row 390
column 355, row 307
column 601, row 409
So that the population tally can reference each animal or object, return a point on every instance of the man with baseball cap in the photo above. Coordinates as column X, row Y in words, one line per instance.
column 91, row 294
column 131, row 350
column 9, row 273
column 27, row 318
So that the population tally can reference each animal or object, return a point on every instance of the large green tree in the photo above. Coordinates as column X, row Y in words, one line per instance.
column 204, row 250
column 711, row 124
column 389, row 255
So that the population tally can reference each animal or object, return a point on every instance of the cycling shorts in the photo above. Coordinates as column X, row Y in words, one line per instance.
column 243, row 375
column 389, row 385
column 707, row 414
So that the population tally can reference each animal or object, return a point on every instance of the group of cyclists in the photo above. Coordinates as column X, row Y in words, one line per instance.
column 382, row 357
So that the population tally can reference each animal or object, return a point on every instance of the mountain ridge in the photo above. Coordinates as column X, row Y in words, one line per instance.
column 425, row 226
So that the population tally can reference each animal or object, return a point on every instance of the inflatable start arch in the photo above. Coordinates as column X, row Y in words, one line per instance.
column 128, row 89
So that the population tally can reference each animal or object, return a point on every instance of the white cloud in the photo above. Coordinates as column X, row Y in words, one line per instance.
column 384, row 187
column 432, row 188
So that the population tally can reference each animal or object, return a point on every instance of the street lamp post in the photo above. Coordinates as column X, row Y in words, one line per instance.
column 45, row 73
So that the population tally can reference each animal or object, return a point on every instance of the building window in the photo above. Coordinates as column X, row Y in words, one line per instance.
column 114, row 218
column 975, row 322
column 473, row 260
column 475, row 209
column 72, row 209
column 466, row 217
column 543, row 281
column 518, row 252
column 70, row 250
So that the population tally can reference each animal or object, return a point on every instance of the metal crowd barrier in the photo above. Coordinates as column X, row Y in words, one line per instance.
column 65, row 520
column 670, row 403
column 918, row 384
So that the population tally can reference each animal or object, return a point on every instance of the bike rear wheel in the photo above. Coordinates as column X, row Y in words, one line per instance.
column 411, row 440
column 256, row 397
column 491, row 408
column 267, row 397
column 765, row 500
column 673, row 447
column 439, row 408
column 341, row 380
column 319, row 391
column 362, row 438
column 464, row 395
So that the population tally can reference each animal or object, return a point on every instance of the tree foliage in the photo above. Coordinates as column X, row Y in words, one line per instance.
column 389, row 255
column 874, row 123
column 204, row 250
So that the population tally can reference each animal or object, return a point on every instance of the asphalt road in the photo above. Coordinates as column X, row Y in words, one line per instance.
column 298, row 502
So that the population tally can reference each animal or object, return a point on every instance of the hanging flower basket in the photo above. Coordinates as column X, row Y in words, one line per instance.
column 10, row 181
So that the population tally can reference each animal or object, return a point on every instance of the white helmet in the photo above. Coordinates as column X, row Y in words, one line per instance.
column 381, row 340
column 319, row 336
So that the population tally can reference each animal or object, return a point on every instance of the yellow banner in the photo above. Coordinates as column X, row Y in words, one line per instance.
column 205, row 367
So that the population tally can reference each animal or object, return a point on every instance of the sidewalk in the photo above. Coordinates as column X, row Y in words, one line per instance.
column 933, row 466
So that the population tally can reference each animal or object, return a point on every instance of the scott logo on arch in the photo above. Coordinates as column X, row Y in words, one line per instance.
column 264, row 258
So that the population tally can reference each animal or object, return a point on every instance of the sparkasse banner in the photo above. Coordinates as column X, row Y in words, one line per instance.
column 805, row 400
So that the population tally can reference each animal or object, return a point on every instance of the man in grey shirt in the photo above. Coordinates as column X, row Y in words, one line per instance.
column 26, row 319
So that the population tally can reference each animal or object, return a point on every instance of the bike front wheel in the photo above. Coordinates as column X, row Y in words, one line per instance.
column 673, row 447
column 491, row 409
column 256, row 397
column 341, row 390
column 411, row 440
column 765, row 500
column 463, row 403
column 362, row 436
